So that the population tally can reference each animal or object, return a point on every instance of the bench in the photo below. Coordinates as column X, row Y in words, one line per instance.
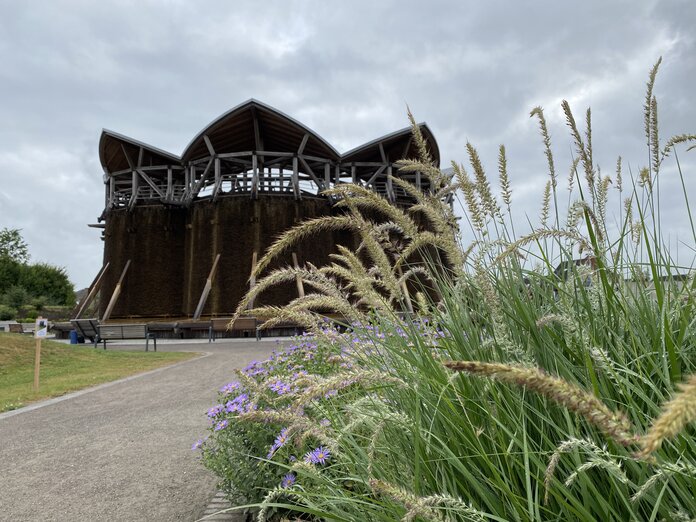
column 28, row 328
column 15, row 328
column 185, row 329
column 247, row 325
column 117, row 332
column 87, row 328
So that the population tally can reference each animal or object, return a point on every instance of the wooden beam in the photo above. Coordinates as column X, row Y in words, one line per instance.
column 255, row 177
column 236, row 154
column 134, row 190
column 257, row 130
column 170, row 183
column 408, row 146
column 311, row 173
column 116, row 294
column 128, row 158
column 353, row 174
column 381, row 153
column 327, row 176
column 298, row 279
column 375, row 175
column 302, row 146
column 152, row 184
column 258, row 139
column 199, row 185
column 314, row 158
column 141, row 153
column 296, row 178
column 93, row 289
column 209, row 145
column 252, row 279
column 112, row 191
column 218, row 179
column 206, row 290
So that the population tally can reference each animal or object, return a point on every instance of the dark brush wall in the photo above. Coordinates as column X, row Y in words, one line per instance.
column 172, row 251
column 152, row 238
column 235, row 227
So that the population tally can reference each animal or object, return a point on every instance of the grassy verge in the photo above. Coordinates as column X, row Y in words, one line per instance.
column 66, row 368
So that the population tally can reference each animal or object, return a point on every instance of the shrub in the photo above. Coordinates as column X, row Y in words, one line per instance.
column 15, row 296
column 7, row 313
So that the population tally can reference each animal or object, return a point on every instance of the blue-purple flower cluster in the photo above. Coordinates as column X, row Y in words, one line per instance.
column 282, row 384
column 278, row 443
column 318, row 455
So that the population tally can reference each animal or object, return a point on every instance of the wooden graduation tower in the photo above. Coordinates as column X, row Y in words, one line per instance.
column 181, row 232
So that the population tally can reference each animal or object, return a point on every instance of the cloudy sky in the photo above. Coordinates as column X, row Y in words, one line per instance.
column 160, row 71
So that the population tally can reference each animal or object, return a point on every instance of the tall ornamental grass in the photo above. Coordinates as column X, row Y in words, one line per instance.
column 542, row 376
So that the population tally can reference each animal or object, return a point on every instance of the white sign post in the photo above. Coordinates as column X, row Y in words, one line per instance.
column 40, row 331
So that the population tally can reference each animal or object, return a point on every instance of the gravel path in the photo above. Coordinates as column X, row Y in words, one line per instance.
column 121, row 452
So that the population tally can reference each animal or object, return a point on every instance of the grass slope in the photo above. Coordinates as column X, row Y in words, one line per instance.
column 66, row 368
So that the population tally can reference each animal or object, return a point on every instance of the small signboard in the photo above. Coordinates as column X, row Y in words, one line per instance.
column 41, row 329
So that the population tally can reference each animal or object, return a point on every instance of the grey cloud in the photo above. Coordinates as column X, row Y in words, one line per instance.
column 160, row 71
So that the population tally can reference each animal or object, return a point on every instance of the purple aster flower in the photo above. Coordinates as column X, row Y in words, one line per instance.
column 229, row 387
column 221, row 425
column 325, row 422
column 288, row 480
column 215, row 411
column 317, row 456
column 197, row 444
column 279, row 442
column 233, row 407
column 280, row 387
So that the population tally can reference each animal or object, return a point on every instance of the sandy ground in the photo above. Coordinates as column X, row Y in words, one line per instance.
column 122, row 451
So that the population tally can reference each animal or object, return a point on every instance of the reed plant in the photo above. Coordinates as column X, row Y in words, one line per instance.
column 544, row 376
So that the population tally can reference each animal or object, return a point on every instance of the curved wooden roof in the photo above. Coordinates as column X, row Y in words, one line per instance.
column 254, row 126
column 396, row 145
column 113, row 148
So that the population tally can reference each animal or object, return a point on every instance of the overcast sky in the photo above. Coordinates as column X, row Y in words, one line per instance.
column 161, row 71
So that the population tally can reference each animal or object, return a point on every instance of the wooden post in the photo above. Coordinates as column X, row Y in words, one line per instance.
column 327, row 176
column 93, row 289
column 255, row 178
column 252, row 279
column 37, row 364
column 170, row 184
column 218, row 178
column 298, row 279
column 116, row 294
column 296, row 178
column 206, row 290
column 40, row 331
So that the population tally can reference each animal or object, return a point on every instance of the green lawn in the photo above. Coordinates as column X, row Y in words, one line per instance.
column 66, row 368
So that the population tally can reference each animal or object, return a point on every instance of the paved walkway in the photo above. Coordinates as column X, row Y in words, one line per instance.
column 123, row 451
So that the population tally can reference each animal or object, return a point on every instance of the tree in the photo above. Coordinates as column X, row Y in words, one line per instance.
column 49, row 282
column 13, row 246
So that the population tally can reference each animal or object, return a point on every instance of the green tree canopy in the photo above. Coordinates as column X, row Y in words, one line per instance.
column 13, row 246
column 21, row 282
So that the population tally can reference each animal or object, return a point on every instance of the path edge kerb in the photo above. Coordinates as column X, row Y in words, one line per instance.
column 78, row 393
